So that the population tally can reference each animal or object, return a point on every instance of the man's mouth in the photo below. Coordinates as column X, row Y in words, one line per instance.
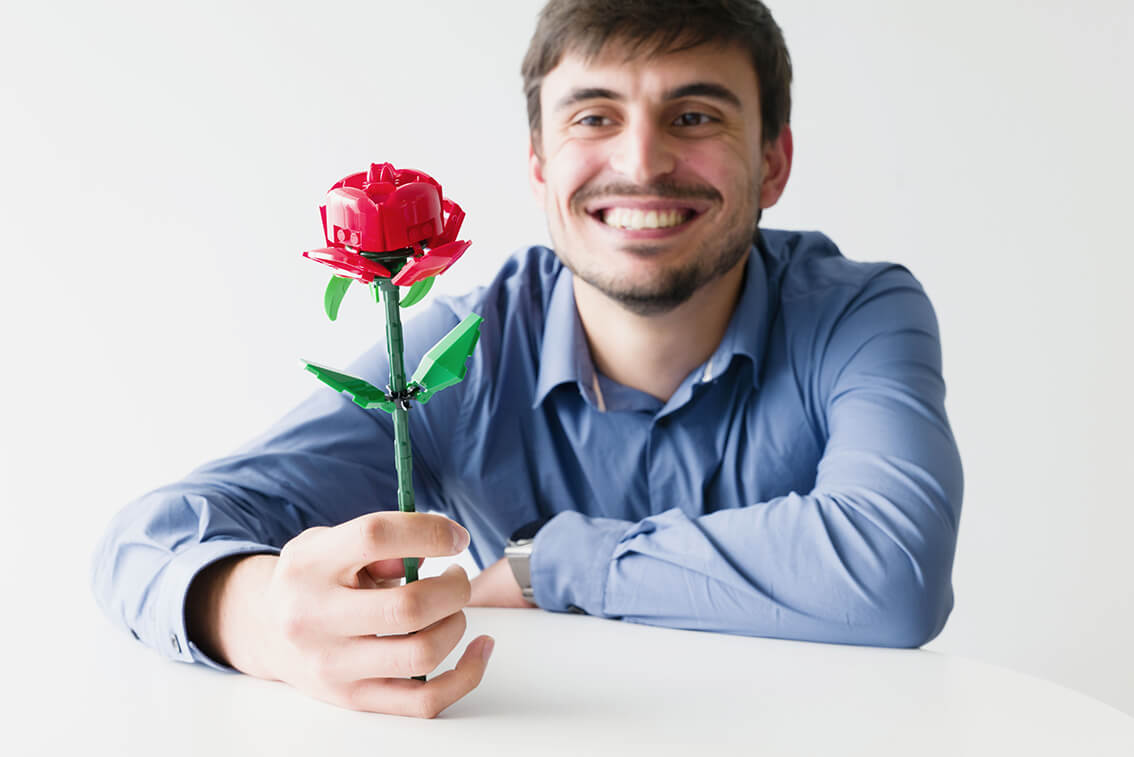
column 646, row 218
column 635, row 219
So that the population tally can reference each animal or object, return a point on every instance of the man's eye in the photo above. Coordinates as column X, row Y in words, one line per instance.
column 593, row 121
column 692, row 119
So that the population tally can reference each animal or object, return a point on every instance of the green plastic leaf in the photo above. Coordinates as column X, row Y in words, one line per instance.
column 417, row 291
column 333, row 297
column 361, row 391
column 444, row 364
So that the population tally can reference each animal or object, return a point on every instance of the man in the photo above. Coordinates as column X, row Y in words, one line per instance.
column 702, row 425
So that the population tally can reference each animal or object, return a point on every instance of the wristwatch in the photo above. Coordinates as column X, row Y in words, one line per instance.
column 519, row 554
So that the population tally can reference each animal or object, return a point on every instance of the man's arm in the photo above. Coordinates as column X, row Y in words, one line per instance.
column 864, row 558
column 310, row 469
column 323, row 610
column 326, row 462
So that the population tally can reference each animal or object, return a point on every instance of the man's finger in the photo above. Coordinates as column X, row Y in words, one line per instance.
column 426, row 699
column 382, row 536
column 396, row 610
column 415, row 654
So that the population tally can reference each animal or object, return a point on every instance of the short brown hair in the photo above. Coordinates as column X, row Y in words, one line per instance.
column 652, row 27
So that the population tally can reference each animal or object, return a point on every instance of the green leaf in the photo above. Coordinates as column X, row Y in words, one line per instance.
column 444, row 364
column 416, row 293
column 361, row 391
column 333, row 297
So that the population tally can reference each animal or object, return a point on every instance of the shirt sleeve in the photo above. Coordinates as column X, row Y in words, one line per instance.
column 864, row 558
column 324, row 463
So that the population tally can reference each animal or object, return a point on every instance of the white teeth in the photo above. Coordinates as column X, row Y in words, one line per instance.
column 635, row 218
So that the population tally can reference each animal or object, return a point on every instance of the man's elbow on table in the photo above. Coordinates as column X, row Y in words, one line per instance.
column 912, row 610
column 893, row 599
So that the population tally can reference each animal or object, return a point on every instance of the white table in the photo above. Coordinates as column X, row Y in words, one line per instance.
column 558, row 684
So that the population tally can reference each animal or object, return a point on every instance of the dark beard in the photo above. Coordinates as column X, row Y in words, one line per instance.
column 679, row 284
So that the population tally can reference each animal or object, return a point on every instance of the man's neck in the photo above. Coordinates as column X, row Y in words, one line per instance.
column 655, row 353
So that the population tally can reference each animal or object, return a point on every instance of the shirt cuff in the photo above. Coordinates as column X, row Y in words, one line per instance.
column 571, row 559
column 178, row 575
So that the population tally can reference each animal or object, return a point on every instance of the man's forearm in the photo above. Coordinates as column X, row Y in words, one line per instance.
column 845, row 582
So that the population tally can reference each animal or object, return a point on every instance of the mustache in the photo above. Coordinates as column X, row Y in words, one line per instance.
column 670, row 190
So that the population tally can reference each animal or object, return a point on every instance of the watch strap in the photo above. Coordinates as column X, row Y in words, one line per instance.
column 519, row 554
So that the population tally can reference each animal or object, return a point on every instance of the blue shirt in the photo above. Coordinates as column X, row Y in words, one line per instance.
column 803, row 483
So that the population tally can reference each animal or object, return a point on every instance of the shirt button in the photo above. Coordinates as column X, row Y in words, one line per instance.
column 175, row 643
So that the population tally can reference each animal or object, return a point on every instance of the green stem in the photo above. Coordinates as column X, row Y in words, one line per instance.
column 403, row 453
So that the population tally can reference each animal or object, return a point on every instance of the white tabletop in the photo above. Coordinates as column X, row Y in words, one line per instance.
column 560, row 684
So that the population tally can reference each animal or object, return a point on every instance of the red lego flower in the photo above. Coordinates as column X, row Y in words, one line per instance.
column 392, row 211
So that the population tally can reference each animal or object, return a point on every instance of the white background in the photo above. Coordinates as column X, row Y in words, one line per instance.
column 161, row 167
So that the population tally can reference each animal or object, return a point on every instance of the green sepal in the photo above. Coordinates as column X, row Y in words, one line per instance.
column 333, row 297
column 417, row 291
column 444, row 364
column 362, row 392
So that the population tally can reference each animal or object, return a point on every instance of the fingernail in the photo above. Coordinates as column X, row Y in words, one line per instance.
column 486, row 650
column 460, row 539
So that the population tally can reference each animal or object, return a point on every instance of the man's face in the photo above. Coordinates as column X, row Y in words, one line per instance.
column 652, row 170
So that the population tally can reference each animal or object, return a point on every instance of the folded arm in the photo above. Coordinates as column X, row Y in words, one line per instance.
column 865, row 557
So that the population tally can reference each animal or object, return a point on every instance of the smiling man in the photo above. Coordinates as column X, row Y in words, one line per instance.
column 673, row 417
column 653, row 170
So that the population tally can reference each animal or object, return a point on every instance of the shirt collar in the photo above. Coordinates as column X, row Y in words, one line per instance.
column 565, row 357
column 747, row 332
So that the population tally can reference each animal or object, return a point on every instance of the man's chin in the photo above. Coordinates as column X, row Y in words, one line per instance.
column 665, row 292
column 646, row 304
column 650, row 278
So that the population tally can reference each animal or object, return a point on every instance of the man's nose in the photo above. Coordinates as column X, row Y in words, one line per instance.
column 643, row 153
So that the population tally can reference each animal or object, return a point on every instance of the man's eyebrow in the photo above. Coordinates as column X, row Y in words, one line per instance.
column 695, row 89
column 704, row 89
column 587, row 93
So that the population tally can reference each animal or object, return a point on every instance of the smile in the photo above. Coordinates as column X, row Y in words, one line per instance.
column 647, row 218
column 635, row 219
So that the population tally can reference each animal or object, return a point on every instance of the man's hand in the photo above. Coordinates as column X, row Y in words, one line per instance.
column 329, row 617
column 496, row 587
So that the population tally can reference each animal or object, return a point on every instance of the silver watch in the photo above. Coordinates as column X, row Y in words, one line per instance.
column 519, row 554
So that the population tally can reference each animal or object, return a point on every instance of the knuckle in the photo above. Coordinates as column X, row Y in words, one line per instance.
column 295, row 622
column 377, row 528
column 464, row 587
column 423, row 655
column 295, row 553
column 402, row 611
column 429, row 704
column 289, row 557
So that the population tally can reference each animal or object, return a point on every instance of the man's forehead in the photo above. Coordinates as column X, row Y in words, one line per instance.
column 646, row 66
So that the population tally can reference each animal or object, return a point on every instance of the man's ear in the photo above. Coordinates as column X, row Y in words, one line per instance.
column 777, row 167
column 535, row 170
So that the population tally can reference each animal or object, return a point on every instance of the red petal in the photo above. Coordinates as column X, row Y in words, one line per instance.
column 432, row 263
column 349, row 264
